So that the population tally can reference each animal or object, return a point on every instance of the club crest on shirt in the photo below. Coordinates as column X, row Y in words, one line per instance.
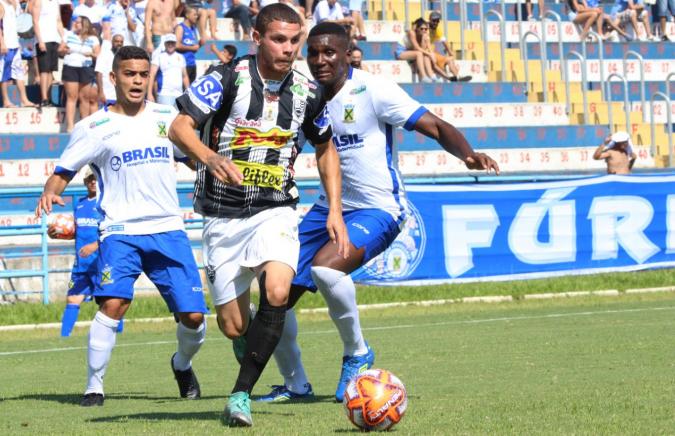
column 299, row 106
column 161, row 129
column 348, row 113
column 106, row 276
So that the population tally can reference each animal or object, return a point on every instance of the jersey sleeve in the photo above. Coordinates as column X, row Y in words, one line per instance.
column 317, row 127
column 205, row 95
column 394, row 106
column 79, row 152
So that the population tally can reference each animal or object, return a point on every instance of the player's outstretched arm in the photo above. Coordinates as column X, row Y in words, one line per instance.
column 454, row 142
column 54, row 187
column 600, row 152
column 328, row 163
column 182, row 133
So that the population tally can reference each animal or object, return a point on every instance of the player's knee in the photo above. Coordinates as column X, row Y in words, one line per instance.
column 325, row 278
column 114, row 308
column 191, row 320
column 231, row 328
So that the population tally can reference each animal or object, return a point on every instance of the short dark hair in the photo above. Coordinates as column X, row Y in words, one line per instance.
column 129, row 52
column 231, row 49
column 276, row 12
column 418, row 22
column 330, row 28
column 355, row 47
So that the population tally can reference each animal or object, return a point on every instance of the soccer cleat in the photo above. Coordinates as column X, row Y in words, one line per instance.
column 351, row 367
column 188, row 386
column 239, row 344
column 92, row 399
column 238, row 410
column 282, row 393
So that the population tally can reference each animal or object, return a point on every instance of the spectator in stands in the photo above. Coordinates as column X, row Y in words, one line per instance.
column 409, row 49
column 92, row 10
column 174, row 74
column 617, row 152
column 355, row 8
column 607, row 29
column 583, row 16
column 11, row 67
column 160, row 19
column 188, row 41
column 447, row 60
column 66, row 13
column 84, row 272
column 660, row 12
column 529, row 11
column 629, row 11
column 48, row 36
column 80, row 49
column 106, row 89
column 241, row 12
column 330, row 10
column 204, row 14
column 227, row 55
column 120, row 19
column 139, row 7
column 356, row 57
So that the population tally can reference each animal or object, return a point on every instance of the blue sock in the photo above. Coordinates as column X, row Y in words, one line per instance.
column 120, row 326
column 69, row 318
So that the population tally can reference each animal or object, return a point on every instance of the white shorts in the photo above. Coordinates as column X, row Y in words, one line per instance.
column 234, row 246
column 355, row 5
column 11, row 66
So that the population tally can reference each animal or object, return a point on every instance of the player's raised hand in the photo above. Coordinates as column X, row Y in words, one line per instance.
column 337, row 231
column 45, row 203
column 481, row 161
column 224, row 170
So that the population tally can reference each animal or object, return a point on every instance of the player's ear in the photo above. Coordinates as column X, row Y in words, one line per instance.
column 113, row 79
column 256, row 37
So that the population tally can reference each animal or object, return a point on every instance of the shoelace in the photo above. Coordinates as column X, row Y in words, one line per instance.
column 240, row 403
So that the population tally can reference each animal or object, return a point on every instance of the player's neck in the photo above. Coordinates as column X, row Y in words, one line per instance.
column 127, row 108
column 332, row 89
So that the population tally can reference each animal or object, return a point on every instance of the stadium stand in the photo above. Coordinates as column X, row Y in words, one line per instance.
column 529, row 122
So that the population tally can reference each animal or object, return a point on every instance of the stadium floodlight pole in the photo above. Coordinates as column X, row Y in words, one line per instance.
column 502, row 41
column 626, row 104
column 667, row 127
column 584, row 81
column 542, row 60
column 642, row 77
column 561, row 49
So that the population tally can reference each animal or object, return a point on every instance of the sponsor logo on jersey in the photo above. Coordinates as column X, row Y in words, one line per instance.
column 346, row 142
column 161, row 129
column 197, row 289
column 106, row 276
column 348, row 113
column 241, row 79
column 206, row 92
column 322, row 121
column 250, row 137
column 98, row 123
column 300, row 91
column 87, row 222
column 358, row 90
column 162, row 111
column 241, row 68
column 110, row 135
column 150, row 154
column 243, row 122
column 261, row 175
column 115, row 163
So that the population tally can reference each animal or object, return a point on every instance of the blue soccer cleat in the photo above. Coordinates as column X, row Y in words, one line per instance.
column 351, row 367
column 238, row 410
column 282, row 393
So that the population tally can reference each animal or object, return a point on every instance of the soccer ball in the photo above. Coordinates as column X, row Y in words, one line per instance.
column 375, row 400
column 61, row 226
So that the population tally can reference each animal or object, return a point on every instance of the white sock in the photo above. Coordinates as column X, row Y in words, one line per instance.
column 288, row 356
column 189, row 342
column 102, row 335
column 339, row 292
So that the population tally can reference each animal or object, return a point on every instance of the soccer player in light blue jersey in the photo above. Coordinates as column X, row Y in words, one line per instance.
column 364, row 110
column 84, row 273
column 127, row 146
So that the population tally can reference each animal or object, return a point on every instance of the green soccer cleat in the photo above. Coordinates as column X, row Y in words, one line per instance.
column 238, row 410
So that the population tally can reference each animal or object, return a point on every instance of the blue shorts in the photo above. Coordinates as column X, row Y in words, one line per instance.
column 373, row 229
column 399, row 51
column 83, row 282
column 167, row 260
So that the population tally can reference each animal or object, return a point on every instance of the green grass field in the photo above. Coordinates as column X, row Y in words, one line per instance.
column 565, row 366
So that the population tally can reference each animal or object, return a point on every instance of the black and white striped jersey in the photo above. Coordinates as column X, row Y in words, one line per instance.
column 255, row 123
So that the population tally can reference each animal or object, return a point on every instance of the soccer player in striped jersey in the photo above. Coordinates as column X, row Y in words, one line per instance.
column 250, row 115
column 142, row 230
column 364, row 109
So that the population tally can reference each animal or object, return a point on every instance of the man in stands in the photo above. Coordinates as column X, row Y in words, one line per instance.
column 204, row 14
column 48, row 36
column 188, row 41
column 617, row 152
column 127, row 147
column 447, row 60
column 331, row 11
column 104, row 62
column 160, row 19
column 363, row 109
column 11, row 67
column 251, row 114
column 227, row 55
column 171, row 65
column 120, row 19
column 356, row 57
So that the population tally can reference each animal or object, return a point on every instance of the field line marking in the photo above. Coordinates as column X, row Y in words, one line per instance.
column 391, row 327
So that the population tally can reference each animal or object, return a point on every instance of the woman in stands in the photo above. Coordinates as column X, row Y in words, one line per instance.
column 409, row 49
column 80, row 47
column 580, row 14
